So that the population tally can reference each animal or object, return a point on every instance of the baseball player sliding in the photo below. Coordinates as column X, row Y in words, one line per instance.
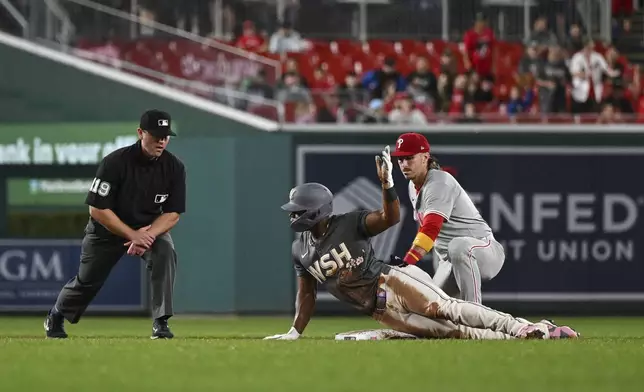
column 449, row 222
column 336, row 250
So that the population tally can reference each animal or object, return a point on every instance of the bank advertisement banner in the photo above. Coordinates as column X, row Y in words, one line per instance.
column 32, row 272
column 58, row 192
column 569, row 218
column 62, row 144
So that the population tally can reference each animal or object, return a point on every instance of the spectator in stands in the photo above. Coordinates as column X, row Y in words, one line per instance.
column 250, row 40
column 350, row 92
column 448, row 65
column 445, row 89
column 469, row 115
column 608, row 115
column 486, row 94
column 304, row 113
column 529, row 65
column 331, row 111
column 285, row 39
column 501, row 93
column 389, row 95
column 574, row 42
column 193, row 16
column 445, row 82
column 552, row 78
column 257, row 86
column 622, row 8
column 405, row 113
column 621, row 34
column 479, row 48
column 477, row 91
column 322, row 80
column 293, row 91
column 291, row 67
column 618, row 98
column 542, row 36
column 457, row 96
column 422, row 83
column 375, row 80
column 418, row 94
column 147, row 15
column 612, row 60
column 519, row 103
column 587, row 69
column 376, row 113
column 472, row 89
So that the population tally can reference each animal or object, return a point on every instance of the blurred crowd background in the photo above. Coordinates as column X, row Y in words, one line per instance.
column 367, row 61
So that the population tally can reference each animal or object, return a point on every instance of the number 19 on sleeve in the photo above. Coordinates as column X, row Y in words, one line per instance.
column 101, row 187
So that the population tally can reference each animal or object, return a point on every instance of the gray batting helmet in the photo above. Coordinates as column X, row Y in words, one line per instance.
column 308, row 204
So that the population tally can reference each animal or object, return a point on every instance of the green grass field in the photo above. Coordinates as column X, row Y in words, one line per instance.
column 227, row 354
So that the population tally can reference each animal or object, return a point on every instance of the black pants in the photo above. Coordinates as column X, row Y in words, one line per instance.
column 590, row 106
column 99, row 255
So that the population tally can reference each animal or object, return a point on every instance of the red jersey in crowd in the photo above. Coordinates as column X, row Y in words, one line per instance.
column 479, row 47
column 250, row 42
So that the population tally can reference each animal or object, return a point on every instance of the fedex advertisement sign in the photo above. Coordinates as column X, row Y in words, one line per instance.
column 577, row 214
column 569, row 218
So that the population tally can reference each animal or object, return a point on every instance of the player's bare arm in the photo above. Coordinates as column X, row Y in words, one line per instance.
column 304, row 307
column 378, row 221
column 163, row 223
column 114, row 224
column 304, row 302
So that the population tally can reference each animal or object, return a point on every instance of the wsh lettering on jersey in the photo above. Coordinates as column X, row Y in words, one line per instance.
column 328, row 265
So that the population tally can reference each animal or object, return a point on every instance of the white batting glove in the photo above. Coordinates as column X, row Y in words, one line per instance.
column 384, row 161
column 292, row 334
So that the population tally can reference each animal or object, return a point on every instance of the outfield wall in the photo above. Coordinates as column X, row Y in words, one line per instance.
column 565, row 201
column 222, row 244
column 566, row 206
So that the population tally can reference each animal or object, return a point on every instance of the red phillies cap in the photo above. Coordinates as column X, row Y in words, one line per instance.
column 410, row 144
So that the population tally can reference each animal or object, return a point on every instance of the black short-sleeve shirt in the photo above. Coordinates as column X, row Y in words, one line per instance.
column 136, row 188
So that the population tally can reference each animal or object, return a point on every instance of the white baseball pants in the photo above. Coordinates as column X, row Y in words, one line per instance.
column 415, row 305
column 465, row 263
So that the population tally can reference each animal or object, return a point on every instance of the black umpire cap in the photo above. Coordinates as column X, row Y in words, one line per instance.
column 157, row 123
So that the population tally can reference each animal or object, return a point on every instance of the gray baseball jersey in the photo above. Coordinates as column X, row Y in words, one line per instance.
column 343, row 259
column 443, row 195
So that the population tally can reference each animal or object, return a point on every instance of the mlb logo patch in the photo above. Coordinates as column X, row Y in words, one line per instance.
column 160, row 198
column 163, row 123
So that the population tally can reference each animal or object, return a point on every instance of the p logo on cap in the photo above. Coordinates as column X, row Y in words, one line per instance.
column 409, row 144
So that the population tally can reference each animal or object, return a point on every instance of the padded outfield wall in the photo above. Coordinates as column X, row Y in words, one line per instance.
column 232, row 250
column 565, row 201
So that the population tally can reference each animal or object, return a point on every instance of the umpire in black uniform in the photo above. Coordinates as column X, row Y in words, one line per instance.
column 136, row 198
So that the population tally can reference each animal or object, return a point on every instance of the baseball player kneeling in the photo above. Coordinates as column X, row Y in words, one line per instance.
column 464, row 249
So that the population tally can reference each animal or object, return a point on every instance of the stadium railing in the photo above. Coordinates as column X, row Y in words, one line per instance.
column 213, row 69
column 429, row 19
column 195, row 64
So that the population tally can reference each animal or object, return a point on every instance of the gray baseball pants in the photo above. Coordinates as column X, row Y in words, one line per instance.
column 465, row 263
column 99, row 255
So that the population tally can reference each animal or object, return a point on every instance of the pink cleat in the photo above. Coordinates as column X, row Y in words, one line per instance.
column 557, row 332
column 533, row 331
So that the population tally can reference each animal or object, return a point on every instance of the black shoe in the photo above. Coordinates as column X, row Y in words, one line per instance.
column 54, row 326
column 160, row 330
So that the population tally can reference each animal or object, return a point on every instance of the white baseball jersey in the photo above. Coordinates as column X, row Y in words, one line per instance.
column 443, row 195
